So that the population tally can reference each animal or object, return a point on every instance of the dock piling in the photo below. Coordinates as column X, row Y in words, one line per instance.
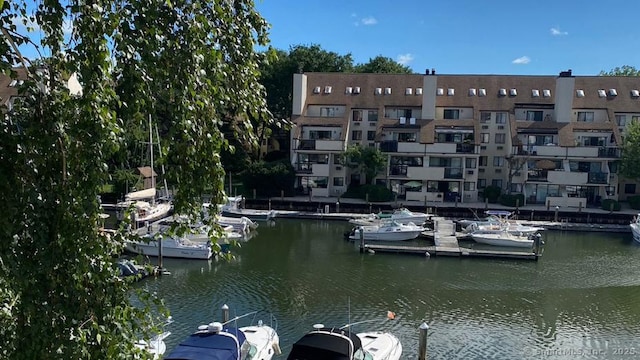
column 361, row 230
column 422, row 344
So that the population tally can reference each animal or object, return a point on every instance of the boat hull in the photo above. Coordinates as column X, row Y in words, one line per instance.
column 254, row 215
column 498, row 240
column 635, row 230
column 381, row 345
column 201, row 251
column 387, row 236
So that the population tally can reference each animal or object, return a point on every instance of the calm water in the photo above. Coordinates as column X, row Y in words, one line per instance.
column 580, row 300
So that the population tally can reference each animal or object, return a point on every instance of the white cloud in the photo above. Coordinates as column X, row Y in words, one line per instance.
column 404, row 59
column 354, row 15
column 555, row 31
column 521, row 60
column 369, row 20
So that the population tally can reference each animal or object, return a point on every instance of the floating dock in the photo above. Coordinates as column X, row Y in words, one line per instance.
column 446, row 244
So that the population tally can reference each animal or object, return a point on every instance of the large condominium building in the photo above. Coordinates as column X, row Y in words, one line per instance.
column 555, row 139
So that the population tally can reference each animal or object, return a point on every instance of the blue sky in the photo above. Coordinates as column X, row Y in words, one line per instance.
column 541, row 37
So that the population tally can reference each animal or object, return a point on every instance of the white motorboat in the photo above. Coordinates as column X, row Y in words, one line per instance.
column 389, row 230
column 497, row 221
column 221, row 341
column 635, row 228
column 233, row 208
column 513, row 228
column 143, row 210
column 172, row 247
column 504, row 238
column 323, row 343
column 404, row 216
column 242, row 224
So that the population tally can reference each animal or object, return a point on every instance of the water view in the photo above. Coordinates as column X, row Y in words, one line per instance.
column 580, row 298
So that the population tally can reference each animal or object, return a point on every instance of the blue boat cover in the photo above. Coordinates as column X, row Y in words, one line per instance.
column 498, row 212
column 209, row 346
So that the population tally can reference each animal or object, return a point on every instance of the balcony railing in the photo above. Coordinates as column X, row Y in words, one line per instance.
column 609, row 152
column 305, row 168
column 597, row 177
column 465, row 148
column 307, row 145
column 453, row 173
column 399, row 170
column 537, row 175
column 389, row 146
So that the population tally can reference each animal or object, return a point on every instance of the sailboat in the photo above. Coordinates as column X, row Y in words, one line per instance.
column 144, row 204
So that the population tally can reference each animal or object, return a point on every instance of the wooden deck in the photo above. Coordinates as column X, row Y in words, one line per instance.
column 446, row 244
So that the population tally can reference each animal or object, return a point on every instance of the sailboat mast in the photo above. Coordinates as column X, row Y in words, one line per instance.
column 164, row 178
column 153, row 178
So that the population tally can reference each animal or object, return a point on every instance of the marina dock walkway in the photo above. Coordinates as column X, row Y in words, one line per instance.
column 446, row 244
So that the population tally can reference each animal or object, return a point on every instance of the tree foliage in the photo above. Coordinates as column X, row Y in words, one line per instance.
column 631, row 152
column 367, row 160
column 189, row 65
column 624, row 70
column 269, row 178
column 382, row 64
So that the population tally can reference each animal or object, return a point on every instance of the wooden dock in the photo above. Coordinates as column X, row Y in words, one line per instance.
column 446, row 244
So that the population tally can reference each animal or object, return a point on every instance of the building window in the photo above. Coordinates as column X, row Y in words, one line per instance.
column 338, row 159
column 371, row 135
column 621, row 120
column 585, row 116
column 485, row 117
column 534, row 115
column 516, row 189
column 482, row 183
column 452, row 114
column 407, row 137
column 327, row 112
column 629, row 188
column 500, row 138
column 470, row 163
column 501, row 118
column 356, row 135
column 338, row 181
column 372, row 115
column 469, row 186
column 483, row 160
column 498, row 161
column 484, row 138
column 357, row 115
column 497, row 183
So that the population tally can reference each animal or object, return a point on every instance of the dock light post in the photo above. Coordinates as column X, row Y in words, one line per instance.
column 556, row 215
column 225, row 313
column 422, row 351
column 338, row 206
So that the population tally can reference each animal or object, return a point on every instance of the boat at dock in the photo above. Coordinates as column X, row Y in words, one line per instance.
column 635, row 228
column 233, row 208
column 497, row 221
column 172, row 247
column 401, row 215
column 221, row 341
column 387, row 230
column 324, row 343
column 504, row 238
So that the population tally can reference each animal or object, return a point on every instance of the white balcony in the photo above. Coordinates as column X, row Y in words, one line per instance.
column 549, row 150
column 331, row 145
column 411, row 147
column 320, row 170
column 583, row 151
column 442, row 148
column 425, row 173
column 567, row 177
